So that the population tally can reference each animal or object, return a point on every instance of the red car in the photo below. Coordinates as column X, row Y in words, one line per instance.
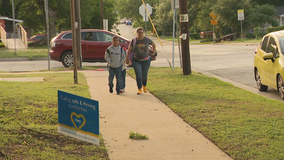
column 94, row 43
column 36, row 37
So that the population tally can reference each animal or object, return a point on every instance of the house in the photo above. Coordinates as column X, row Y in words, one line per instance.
column 12, row 38
column 280, row 15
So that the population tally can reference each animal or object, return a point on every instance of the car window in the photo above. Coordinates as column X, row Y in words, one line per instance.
column 67, row 36
column 272, row 47
column 103, row 37
column 39, row 37
column 264, row 44
column 85, row 36
column 281, row 41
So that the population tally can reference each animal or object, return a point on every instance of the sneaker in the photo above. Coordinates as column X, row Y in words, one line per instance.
column 118, row 92
column 139, row 91
column 110, row 90
column 123, row 90
column 144, row 89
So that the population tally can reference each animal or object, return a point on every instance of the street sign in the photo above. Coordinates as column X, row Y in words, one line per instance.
column 211, row 14
column 143, row 12
column 213, row 22
column 176, row 2
column 241, row 15
column 78, row 117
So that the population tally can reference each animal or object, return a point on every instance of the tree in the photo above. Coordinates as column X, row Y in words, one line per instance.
column 228, row 16
column 264, row 15
column 164, row 17
column 203, row 20
column 274, row 3
column 32, row 12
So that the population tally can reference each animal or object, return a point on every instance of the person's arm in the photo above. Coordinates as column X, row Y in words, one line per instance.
column 128, row 52
column 154, row 49
column 122, row 56
column 107, row 58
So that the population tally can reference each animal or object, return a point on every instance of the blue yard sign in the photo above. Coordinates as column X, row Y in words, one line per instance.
column 78, row 117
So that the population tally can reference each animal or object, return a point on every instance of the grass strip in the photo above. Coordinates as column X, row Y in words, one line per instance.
column 28, row 119
column 242, row 124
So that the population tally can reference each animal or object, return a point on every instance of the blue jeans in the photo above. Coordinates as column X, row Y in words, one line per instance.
column 141, row 71
column 117, row 72
column 123, row 79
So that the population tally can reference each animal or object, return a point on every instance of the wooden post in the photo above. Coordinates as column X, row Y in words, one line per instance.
column 184, row 37
column 74, row 25
column 102, row 14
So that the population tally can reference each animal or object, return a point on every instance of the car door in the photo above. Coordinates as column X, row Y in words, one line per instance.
column 271, row 67
column 103, row 41
column 84, row 44
column 260, row 62
column 88, row 46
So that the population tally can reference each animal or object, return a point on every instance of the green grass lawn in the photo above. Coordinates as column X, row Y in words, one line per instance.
column 34, row 106
column 31, row 52
column 242, row 124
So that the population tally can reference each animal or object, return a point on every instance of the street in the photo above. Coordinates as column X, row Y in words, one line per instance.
column 230, row 61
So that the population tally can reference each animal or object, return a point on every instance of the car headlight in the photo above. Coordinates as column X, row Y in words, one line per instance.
column 54, row 44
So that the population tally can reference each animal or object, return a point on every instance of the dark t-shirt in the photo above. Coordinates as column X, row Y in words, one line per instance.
column 141, row 50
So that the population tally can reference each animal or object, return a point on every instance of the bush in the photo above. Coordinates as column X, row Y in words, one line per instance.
column 250, row 35
column 194, row 36
column 273, row 29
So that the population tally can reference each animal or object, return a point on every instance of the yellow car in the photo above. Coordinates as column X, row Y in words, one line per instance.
column 269, row 63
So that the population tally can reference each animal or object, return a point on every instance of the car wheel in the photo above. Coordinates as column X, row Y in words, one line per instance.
column 67, row 59
column 280, row 86
column 260, row 86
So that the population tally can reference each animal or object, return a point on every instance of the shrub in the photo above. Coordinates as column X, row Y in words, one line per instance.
column 194, row 36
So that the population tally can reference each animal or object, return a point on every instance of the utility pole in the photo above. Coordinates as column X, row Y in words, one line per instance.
column 184, row 37
column 14, row 25
column 102, row 14
column 47, row 30
column 79, row 46
column 76, row 36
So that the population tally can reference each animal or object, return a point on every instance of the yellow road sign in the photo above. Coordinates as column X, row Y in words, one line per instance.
column 213, row 22
column 211, row 14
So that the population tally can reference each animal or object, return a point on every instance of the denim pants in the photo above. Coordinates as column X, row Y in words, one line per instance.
column 123, row 75
column 117, row 72
column 141, row 71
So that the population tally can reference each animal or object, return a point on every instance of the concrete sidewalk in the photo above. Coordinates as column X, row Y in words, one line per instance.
column 170, row 138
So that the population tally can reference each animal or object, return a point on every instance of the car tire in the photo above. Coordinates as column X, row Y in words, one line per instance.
column 280, row 86
column 259, row 85
column 67, row 59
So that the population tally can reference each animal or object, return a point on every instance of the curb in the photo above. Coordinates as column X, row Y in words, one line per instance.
column 22, row 59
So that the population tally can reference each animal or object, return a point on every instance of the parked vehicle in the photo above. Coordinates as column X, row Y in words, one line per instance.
column 206, row 34
column 94, row 42
column 129, row 23
column 36, row 37
column 269, row 63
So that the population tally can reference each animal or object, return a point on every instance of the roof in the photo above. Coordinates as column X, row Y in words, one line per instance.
column 278, row 33
column 10, row 19
column 280, row 10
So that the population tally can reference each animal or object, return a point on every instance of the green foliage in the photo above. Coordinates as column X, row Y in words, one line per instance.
column 194, row 35
column 264, row 14
column 136, row 135
column 227, row 13
column 273, row 29
column 273, row 3
column 256, row 32
column 164, row 18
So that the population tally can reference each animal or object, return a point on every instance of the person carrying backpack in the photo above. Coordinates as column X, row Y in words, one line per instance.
column 115, row 58
column 140, row 57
